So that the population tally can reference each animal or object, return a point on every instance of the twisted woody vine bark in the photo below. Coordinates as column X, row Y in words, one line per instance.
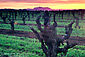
column 48, row 38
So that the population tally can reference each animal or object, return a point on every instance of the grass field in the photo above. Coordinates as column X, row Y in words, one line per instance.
column 60, row 31
column 26, row 47
column 15, row 46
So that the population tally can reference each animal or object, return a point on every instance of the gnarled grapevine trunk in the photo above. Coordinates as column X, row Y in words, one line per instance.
column 11, row 23
column 48, row 37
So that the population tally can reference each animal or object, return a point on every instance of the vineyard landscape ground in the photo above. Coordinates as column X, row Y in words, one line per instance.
column 23, row 42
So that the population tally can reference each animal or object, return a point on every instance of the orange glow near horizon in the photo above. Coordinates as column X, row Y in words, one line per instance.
column 23, row 5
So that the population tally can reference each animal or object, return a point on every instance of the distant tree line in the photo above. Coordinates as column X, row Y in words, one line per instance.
column 11, row 15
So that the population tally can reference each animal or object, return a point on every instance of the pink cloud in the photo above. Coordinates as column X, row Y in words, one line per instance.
column 45, row 1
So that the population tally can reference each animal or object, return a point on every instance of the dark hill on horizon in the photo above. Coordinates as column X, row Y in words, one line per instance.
column 41, row 8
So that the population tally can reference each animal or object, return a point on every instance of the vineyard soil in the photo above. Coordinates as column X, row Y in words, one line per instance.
column 72, row 39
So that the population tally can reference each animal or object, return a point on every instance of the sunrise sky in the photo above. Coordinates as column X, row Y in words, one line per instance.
column 53, row 4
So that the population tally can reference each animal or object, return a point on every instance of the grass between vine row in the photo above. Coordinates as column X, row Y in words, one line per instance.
column 60, row 31
column 25, row 47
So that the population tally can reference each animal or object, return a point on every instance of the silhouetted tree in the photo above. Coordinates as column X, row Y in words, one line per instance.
column 11, row 23
column 15, row 14
column 32, row 14
column 23, row 19
column 3, row 17
column 0, row 14
column 76, row 17
column 82, row 13
column 28, row 13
